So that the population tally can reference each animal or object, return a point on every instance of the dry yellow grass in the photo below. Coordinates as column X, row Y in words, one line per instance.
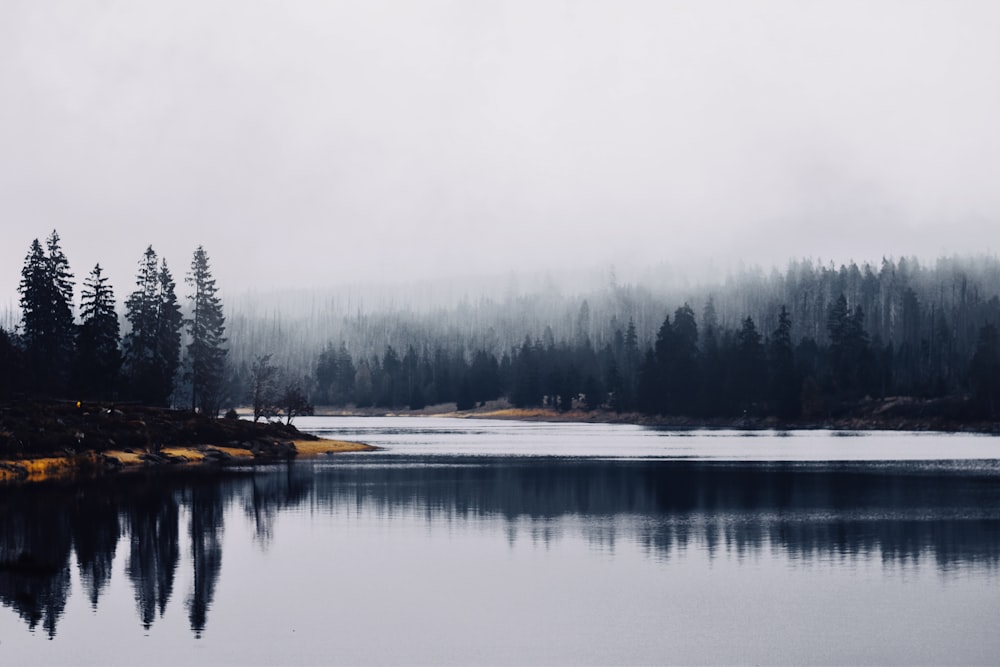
column 190, row 454
column 543, row 414
column 309, row 448
column 37, row 469
column 517, row 413
column 125, row 458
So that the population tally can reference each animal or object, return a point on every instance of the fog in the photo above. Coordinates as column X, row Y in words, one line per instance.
column 322, row 144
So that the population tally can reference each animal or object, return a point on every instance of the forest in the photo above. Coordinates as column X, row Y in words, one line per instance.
column 54, row 353
column 813, row 341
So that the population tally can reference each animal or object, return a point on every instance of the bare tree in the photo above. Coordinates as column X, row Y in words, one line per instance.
column 294, row 403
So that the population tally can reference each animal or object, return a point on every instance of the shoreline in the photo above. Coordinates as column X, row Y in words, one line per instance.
column 852, row 423
column 93, row 463
column 883, row 416
column 42, row 440
column 262, row 443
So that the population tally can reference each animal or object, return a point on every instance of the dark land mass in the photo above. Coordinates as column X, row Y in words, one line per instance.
column 43, row 439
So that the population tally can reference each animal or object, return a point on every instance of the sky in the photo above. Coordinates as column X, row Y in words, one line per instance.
column 325, row 143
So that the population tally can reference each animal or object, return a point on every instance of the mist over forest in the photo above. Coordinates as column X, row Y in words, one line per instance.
column 458, row 153
column 814, row 340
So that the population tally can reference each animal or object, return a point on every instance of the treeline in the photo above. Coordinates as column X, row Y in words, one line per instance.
column 161, row 356
column 688, row 371
column 810, row 343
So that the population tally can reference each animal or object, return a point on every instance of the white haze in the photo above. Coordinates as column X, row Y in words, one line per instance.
column 330, row 143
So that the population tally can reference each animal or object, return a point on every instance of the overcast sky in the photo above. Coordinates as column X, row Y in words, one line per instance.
column 332, row 142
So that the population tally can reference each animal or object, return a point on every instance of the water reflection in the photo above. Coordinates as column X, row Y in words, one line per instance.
column 154, row 544
column 35, row 552
column 944, row 513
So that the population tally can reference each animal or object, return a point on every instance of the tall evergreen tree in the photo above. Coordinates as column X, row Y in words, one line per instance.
column 142, row 312
column 785, row 389
column 335, row 373
column 36, row 298
column 631, row 360
column 750, row 366
column 206, row 351
column 711, row 396
column 649, row 387
column 849, row 352
column 484, row 376
column 46, row 290
column 168, row 328
column 656, row 387
column 526, row 390
column 152, row 346
column 62, row 285
column 684, row 377
column 11, row 365
column 98, row 358
column 984, row 371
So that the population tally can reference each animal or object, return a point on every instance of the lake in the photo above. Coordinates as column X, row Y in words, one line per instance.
column 498, row 542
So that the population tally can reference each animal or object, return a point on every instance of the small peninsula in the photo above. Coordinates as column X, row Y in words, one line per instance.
column 42, row 440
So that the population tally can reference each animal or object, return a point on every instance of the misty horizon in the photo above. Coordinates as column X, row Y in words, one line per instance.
column 675, row 283
column 357, row 143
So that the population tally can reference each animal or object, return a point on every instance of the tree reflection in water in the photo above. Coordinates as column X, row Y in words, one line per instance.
column 152, row 518
column 205, row 503
column 96, row 530
column 896, row 512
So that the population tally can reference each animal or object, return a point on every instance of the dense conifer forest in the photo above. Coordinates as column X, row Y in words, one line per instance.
column 53, row 354
column 813, row 341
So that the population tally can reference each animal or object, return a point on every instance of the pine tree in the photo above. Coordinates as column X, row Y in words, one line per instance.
column 325, row 374
column 62, row 296
column 712, row 394
column 142, row 312
column 168, row 331
column 36, row 297
column 206, row 354
column 631, row 360
column 750, row 367
column 661, row 398
column 784, row 380
column 46, row 290
column 526, row 390
column 346, row 372
column 11, row 365
column 849, row 353
column 984, row 371
column 649, row 392
column 683, row 375
column 389, row 394
column 152, row 346
column 98, row 359
column 484, row 376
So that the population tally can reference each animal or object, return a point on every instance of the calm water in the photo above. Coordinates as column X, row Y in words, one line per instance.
column 504, row 542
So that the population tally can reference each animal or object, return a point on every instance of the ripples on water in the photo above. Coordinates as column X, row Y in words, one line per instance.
column 361, row 535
